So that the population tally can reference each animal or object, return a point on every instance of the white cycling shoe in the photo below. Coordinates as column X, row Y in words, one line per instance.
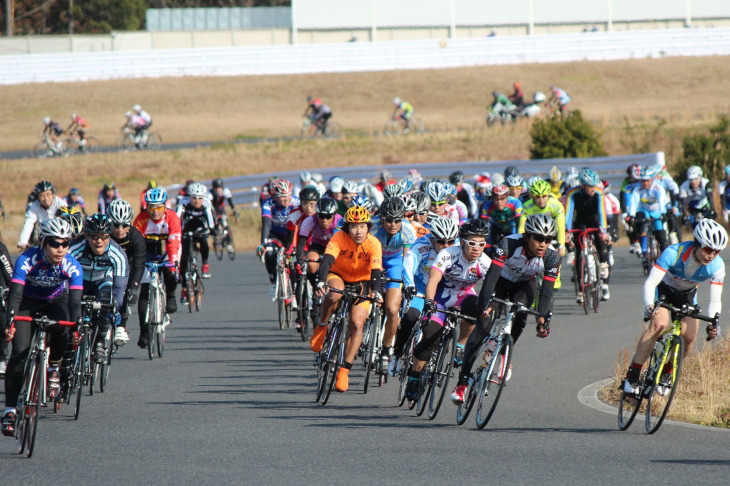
column 120, row 336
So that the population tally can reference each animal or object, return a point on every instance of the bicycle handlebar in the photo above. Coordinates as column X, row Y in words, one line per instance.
column 689, row 311
column 517, row 307
column 42, row 321
column 91, row 302
column 349, row 292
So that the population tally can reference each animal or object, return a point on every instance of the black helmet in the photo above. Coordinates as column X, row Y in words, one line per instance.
column 109, row 186
column 217, row 182
column 511, row 170
column 393, row 208
column 98, row 223
column 44, row 186
column 474, row 227
column 457, row 177
column 309, row 193
column 326, row 207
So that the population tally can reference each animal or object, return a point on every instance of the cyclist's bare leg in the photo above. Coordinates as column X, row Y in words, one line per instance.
column 657, row 326
column 392, row 313
column 312, row 267
column 690, row 327
column 329, row 303
column 358, row 314
column 465, row 330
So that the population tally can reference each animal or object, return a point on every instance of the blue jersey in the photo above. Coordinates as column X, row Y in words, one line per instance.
column 683, row 272
column 278, row 215
column 417, row 263
column 400, row 242
column 44, row 281
column 652, row 200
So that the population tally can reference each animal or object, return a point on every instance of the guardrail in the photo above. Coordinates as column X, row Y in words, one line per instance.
column 355, row 57
column 245, row 189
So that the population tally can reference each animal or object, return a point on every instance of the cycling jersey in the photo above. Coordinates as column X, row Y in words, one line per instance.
column 407, row 109
column 467, row 196
column 163, row 237
column 394, row 246
column 353, row 263
column 111, row 268
column 459, row 275
column 135, row 247
column 219, row 200
column 36, row 212
column 724, row 190
column 145, row 116
column 278, row 215
column 54, row 127
column 452, row 213
column 43, row 281
column 503, row 220
column 193, row 218
column 653, row 200
column 417, row 264
column 562, row 96
column 461, row 211
column 311, row 229
column 553, row 208
column 105, row 201
column 583, row 211
column 421, row 230
column 696, row 199
column 72, row 204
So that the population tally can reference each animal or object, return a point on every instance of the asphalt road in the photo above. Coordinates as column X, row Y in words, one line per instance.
column 232, row 402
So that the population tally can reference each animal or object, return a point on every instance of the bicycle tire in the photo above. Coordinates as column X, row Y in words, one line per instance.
column 425, row 386
column 333, row 130
column 78, row 390
column 491, row 386
column 333, row 359
column 92, row 145
column 585, row 288
column 303, row 309
column 369, row 358
column 230, row 241
column 392, row 127
column 655, row 400
column 32, row 407
column 280, row 298
column 190, row 291
column 126, row 143
column 199, row 291
column 322, row 367
column 628, row 407
column 442, row 374
column 154, row 141
column 22, row 405
column 289, row 314
column 160, row 341
column 463, row 410
column 415, row 125
column 151, row 311
column 218, row 247
column 40, row 150
column 104, row 375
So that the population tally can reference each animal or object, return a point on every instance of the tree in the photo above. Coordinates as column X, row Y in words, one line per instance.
column 561, row 137
column 711, row 151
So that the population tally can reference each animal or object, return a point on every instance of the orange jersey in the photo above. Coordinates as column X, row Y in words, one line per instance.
column 354, row 262
column 420, row 229
column 163, row 236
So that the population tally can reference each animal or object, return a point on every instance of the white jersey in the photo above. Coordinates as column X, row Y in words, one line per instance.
column 459, row 274
column 38, row 213
column 694, row 198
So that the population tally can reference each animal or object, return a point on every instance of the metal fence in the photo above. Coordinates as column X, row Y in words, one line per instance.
column 234, row 18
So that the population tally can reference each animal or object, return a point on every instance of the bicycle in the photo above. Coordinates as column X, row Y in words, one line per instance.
column 223, row 238
column 397, row 126
column 126, row 140
column 309, row 128
column 82, row 368
column 283, row 286
column 587, row 278
column 306, row 309
column 656, row 385
column 372, row 344
column 156, row 315
column 331, row 357
column 194, row 282
column 652, row 251
column 73, row 142
column 33, row 391
column 46, row 148
column 90, row 307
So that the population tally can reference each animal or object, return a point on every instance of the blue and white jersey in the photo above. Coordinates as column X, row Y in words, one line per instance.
column 724, row 190
column 111, row 267
column 278, row 215
column 694, row 198
column 668, row 183
column 44, row 281
column 683, row 272
column 417, row 263
column 393, row 249
column 628, row 191
column 652, row 200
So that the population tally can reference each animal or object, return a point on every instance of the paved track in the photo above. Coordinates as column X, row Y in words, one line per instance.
column 232, row 401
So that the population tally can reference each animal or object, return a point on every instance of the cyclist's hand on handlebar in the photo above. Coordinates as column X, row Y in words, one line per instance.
column 712, row 332
column 9, row 333
column 410, row 292
column 485, row 313
column 605, row 236
column 648, row 312
column 430, row 306
column 321, row 289
column 260, row 250
column 543, row 328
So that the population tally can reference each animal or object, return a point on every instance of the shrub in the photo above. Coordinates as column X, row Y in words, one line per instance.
column 711, row 151
column 561, row 137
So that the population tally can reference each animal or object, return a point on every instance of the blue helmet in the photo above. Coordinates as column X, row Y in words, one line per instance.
column 437, row 192
column 155, row 196
column 727, row 170
column 589, row 177
column 363, row 201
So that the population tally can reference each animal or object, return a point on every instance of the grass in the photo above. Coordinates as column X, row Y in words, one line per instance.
column 703, row 396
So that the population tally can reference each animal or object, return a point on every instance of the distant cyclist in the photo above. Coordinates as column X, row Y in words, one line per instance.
column 75, row 200
column 196, row 215
column 79, row 125
column 560, row 96
column 403, row 111
column 696, row 198
column 724, row 191
column 53, row 130
column 107, row 194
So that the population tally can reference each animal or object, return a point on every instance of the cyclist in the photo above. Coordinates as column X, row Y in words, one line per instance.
column 667, row 182
column 676, row 275
column 502, row 212
column 106, row 273
column 696, row 198
column 517, row 262
column 556, row 182
column 420, row 214
column 80, row 126
column 386, row 179
column 138, row 124
column 138, row 111
column 724, row 190
column 74, row 199
column 631, row 182
column 132, row 241
column 517, row 98
column 648, row 203
column 6, row 275
column 396, row 237
column 220, row 196
column 560, row 96
column 516, row 185
column 572, row 180
column 53, row 130
column 162, row 230
column 402, row 111
column 501, row 99
column 439, row 207
column 308, row 198
column 107, row 194
column 274, row 214
column 350, row 189
column 586, row 208
column 311, row 108
column 151, row 184
column 613, row 213
column 46, row 280
column 353, row 257
column 321, row 115
column 451, row 200
column 73, row 217
column 43, row 209
column 483, row 188
column 196, row 215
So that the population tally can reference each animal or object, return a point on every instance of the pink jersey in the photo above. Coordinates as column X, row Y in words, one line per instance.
column 311, row 228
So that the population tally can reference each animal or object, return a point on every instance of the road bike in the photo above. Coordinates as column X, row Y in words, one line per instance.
column 587, row 277
column 127, row 141
column 73, row 142
column 658, row 382
column 372, row 345
column 284, row 294
column 307, row 310
column 46, row 148
column 397, row 126
column 80, row 374
column 223, row 238
column 33, row 390
column 90, row 310
column 309, row 128
column 193, row 281
column 156, row 315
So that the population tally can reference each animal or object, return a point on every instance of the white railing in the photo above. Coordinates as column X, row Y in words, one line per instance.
column 354, row 57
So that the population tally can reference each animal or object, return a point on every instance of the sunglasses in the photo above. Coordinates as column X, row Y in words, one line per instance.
column 98, row 236
column 58, row 244
column 710, row 251
column 392, row 221
column 438, row 204
column 475, row 244
column 541, row 238
column 445, row 242
column 121, row 225
column 325, row 216
column 422, row 213
column 156, row 208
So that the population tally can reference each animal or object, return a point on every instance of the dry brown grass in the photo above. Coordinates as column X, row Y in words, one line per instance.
column 703, row 396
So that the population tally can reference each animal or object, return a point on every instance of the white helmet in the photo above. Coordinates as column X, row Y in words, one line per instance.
column 56, row 228
column 539, row 97
column 711, row 234
column 396, row 101
column 336, row 184
column 46, row 120
column 497, row 179
column 540, row 224
column 128, row 114
column 120, row 212
column 444, row 228
column 350, row 187
column 694, row 172
column 196, row 189
column 136, row 108
column 305, row 177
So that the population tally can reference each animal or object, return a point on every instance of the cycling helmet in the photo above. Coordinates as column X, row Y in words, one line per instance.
column 55, row 228
column 385, row 176
column 218, row 182
column 500, row 190
column 109, row 187
column 555, row 174
column 516, row 85
column 393, row 208
column 98, row 223
column 406, row 184
column 727, row 170
column 606, row 184
column 309, row 193
column 350, row 187
column 634, row 172
column 393, row 190
column 305, row 176
column 136, row 108
column 316, row 177
column 694, row 172
column 456, row 177
column 572, row 182
column 196, row 189
column 73, row 191
column 450, row 189
column 46, row 120
column 539, row 97
column 357, row 214
column 128, row 114
column 497, row 179
column 317, row 102
column 423, row 202
column 437, row 192
column 483, row 181
column 280, row 187
column 73, row 217
column 396, row 101
column 540, row 224
column 511, row 170
column 73, row 117
column 514, row 180
column 589, row 178
column 540, row 188
column 414, row 176
column 155, row 196
column 120, row 212
column 151, row 184
column 326, row 207
column 363, row 201
column 711, row 234
column 66, row 210
column 444, row 228
column 572, row 172
column 474, row 227
column 411, row 205
column 336, row 184
column 44, row 186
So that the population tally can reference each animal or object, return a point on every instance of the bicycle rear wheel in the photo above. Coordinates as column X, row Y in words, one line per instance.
column 463, row 410
column 94, row 373
column 199, row 291
column 628, row 406
column 92, row 145
column 333, row 358
column 493, row 381
column 370, row 354
column 160, row 335
column 663, row 389
column 442, row 373
column 425, row 385
column 289, row 302
column 333, row 130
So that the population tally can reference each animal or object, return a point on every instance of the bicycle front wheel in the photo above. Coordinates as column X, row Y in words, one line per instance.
column 189, row 290
column 442, row 374
column 199, row 291
column 370, row 354
column 333, row 359
column 628, row 406
column 32, row 405
column 41, row 150
column 425, row 385
column 415, row 125
column 322, row 368
column 493, row 381
column 154, row 141
column 280, row 304
column 393, row 127
column 218, row 247
column 664, row 387
column 230, row 245
column 160, row 339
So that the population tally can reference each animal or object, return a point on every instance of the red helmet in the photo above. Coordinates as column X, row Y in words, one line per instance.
column 317, row 102
column 281, row 187
column 500, row 190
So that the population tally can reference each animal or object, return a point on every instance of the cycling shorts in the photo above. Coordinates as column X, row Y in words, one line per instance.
column 417, row 303
column 652, row 215
column 394, row 270
column 466, row 300
column 364, row 289
column 319, row 249
column 675, row 297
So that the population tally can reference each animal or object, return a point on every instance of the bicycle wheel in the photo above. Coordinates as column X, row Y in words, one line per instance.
column 24, row 402
column 425, row 385
column 92, row 145
column 32, row 405
column 662, row 390
column 94, row 373
column 442, row 374
column 322, row 367
column 303, row 309
column 78, row 388
column 280, row 304
column 393, row 127
column 585, row 287
column 190, row 290
column 333, row 359
column 199, row 291
column 405, row 368
column 289, row 314
column 463, row 410
column 154, row 141
column 333, row 130
column 125, row 143
column 493, row 381
column 160, row 340
column 151, row 315
column 230, row 245
column 41, row 150
column 628, row 406
column 372, row 350
column 218, row 246
column 416, row 125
